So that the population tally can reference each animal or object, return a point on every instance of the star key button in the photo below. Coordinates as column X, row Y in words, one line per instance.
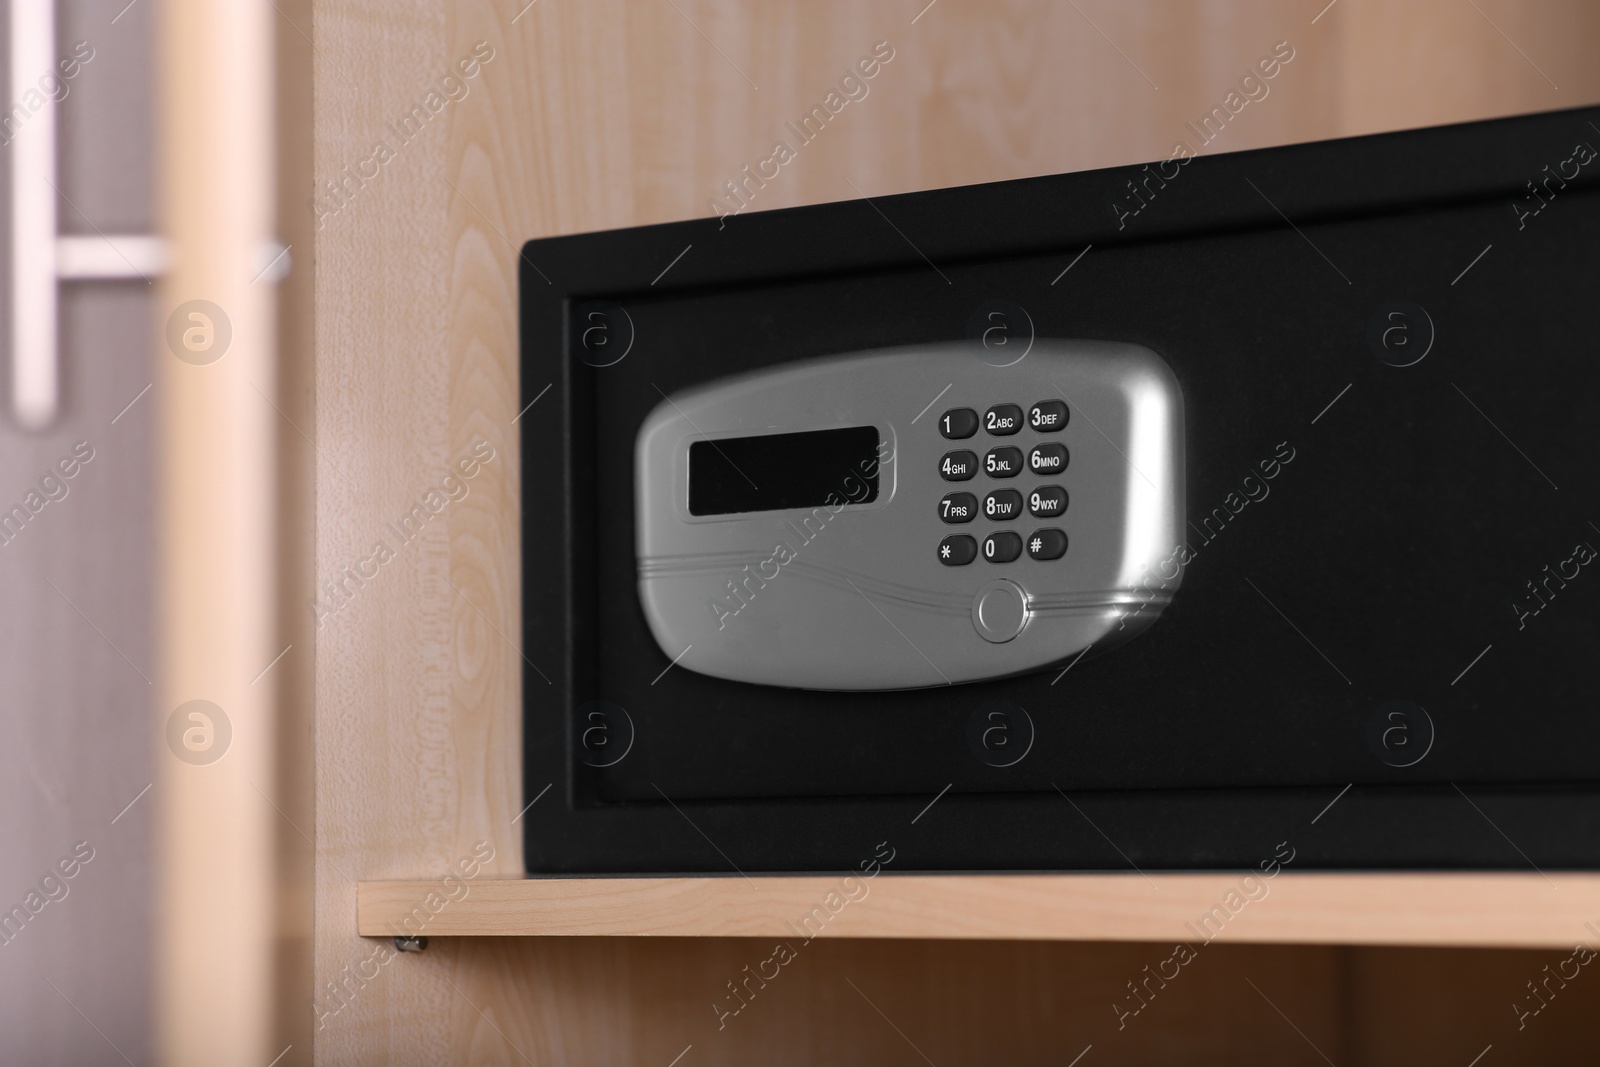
column 958, row 550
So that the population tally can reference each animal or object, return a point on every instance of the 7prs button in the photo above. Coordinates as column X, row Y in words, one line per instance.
column 959, row 507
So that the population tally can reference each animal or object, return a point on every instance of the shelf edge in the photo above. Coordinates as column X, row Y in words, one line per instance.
column 1465, row 909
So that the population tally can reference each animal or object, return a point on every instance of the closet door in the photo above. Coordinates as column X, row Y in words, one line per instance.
column 155, row 494
column 77, row 519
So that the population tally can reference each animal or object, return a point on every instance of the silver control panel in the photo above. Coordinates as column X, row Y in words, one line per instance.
column 911, row 517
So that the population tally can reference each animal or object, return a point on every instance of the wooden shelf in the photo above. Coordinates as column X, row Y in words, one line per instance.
column 1483, row 910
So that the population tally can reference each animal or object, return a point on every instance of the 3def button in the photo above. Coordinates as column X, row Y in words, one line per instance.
column 1048, row 416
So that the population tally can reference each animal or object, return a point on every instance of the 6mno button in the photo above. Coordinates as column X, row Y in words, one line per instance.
column 1000, row 610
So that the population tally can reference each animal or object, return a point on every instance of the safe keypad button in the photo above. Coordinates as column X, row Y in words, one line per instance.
column 1047, row 501
column 1003, row 505
column 957, row 550
column 1003, row 462
column 1048, row 543
column 1002, row 546
column 1003, row 420
column 1047, row 458
column 1047, row 416
column 958, row 466
column 959, row 507
column 958, row 423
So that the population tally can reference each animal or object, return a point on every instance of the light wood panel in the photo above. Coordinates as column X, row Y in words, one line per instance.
column 217, row 902
column 888, row 1003
column 1390, row 909
column 591, row 116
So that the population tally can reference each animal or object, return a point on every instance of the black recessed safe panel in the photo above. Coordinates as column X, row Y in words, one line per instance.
column 1384, row 656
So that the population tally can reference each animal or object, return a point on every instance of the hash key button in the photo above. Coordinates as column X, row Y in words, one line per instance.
column 1047, row 544
column 958, row 507
column 1048, row 416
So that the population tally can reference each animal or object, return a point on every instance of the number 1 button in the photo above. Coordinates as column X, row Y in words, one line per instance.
column 958, row 423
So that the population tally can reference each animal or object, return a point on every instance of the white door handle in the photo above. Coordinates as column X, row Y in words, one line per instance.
column 40, row 260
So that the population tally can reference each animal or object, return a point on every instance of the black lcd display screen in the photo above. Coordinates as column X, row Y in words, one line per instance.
column 773, row 472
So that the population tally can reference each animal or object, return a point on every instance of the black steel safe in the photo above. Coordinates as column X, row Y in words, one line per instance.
column 1384, row 654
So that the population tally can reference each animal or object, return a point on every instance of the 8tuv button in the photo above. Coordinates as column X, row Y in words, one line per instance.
column 1003, row 504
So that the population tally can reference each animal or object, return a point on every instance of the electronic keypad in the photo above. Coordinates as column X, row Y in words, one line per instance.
column 911, row 517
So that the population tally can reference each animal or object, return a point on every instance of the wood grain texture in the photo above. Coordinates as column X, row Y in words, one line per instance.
column 217, row 901
column 908, row 1003
column 1490, row 910
column 593, row 116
